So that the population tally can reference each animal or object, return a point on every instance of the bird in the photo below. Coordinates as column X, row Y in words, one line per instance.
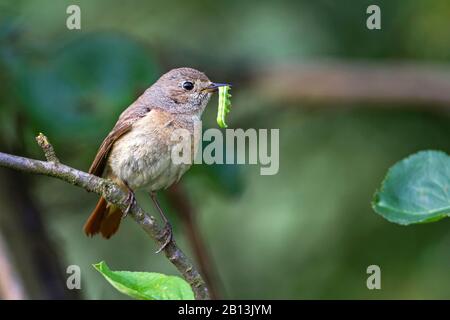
column 136, row 154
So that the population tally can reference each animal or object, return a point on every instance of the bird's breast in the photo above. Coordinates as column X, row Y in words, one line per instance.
column 142, row 157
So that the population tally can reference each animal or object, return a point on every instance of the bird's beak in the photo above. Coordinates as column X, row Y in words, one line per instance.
column 213, row 87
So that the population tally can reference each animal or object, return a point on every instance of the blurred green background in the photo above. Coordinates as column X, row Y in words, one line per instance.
column 306, row 233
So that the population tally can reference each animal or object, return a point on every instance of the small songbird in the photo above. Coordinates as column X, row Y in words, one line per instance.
column 136, row 154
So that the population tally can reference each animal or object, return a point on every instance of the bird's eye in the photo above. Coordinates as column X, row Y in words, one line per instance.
column 188, row 85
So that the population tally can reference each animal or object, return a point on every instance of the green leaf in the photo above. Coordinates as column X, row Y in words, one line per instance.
column 416, row 189
column 147, row 285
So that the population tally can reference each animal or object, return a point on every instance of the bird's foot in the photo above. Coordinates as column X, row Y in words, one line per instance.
column 131, row 200
column 167, row 235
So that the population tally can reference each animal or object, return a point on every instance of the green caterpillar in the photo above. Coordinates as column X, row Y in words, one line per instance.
column 224, row 105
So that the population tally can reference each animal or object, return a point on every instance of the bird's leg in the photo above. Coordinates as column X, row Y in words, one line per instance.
column 167, row 226
column 131, row 200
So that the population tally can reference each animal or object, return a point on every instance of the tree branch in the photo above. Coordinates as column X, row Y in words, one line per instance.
column 340, row 81
column 113, row 194
column 180, row 202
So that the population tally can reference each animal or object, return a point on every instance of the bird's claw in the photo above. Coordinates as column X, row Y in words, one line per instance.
column 167, row 234
column 131, row 200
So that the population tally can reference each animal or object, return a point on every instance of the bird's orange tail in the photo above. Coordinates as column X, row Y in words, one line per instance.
column 104, row 219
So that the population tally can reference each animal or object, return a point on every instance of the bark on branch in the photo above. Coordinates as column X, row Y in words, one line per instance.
column 113, row 194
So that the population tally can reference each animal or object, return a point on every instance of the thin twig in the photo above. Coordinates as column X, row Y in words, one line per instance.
column 113, row 194
column 46, row 146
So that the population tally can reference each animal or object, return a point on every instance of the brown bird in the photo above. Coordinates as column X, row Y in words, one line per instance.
column 136, row 154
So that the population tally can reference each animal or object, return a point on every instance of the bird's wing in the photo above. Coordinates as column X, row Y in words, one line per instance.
column 127, row 118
